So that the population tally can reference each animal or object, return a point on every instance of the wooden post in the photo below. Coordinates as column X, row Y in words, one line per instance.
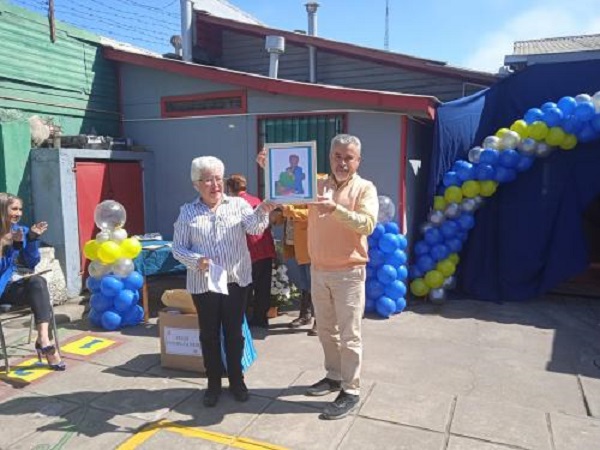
column 51, row 20
column 145, row 301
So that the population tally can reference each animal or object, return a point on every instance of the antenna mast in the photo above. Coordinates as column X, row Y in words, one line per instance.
column 386, row 40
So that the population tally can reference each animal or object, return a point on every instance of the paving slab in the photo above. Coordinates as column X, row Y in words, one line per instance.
column 366, row 434
column 591, row 390
column 270, row 379
column 132, row 356
column 409, row 407
column 463, row 443
column 501, row 422
column 190, row 377
column 166, row 439
column 575, row 433
column 86, row 428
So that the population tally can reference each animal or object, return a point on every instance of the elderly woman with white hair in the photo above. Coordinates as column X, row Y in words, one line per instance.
column 212, row 229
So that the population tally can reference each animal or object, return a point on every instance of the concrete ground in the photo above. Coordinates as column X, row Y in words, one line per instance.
column 467, row 375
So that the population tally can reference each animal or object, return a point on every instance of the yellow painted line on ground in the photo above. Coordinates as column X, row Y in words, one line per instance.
column 27, row 371
column 87, row 345
column 195, row 433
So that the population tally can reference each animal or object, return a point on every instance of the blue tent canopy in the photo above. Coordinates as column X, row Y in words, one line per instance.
column 528, row 237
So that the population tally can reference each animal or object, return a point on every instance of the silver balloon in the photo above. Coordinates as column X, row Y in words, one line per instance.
column 596, row 101
column 103, row 236
column 452, row 210
column 122, row 267
column 387, row 209
column 436, row 217
column 110, row 215
column 510, row 139
column 527, row 146
column 118, row 235
column 542, row 150
column 437, row 296
column 96, row 269
column 450, row 283
column 491, row 142
column 474, row 154
column 479, row 200
column 582, row 98
column 468, row 205
column 426, row 226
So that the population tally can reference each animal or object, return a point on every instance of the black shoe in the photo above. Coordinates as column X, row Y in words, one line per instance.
column 343, row 405
column 240, row 392
column 324, row 387
column 211, row 397
column 299, row 322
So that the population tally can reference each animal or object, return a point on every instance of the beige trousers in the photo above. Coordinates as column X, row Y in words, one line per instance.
column 339, row 302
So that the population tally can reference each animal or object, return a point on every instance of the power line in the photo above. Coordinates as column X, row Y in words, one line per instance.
column 147, row 7
column 170, row 4
column 135, row 15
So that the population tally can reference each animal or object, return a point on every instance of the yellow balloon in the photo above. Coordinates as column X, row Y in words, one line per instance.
column 130, row 248
column 454, row 258
column 555, row 136
column 109, row 252
column 90, row 250
column 439, row 203
column 520, row 127
column 453, row 194
column 419, row 288
column 488, row 188
column 434, row 279
column 538, row 130
column 471, row 188
column 446, row 267
column 501, row 132
column 569, row 142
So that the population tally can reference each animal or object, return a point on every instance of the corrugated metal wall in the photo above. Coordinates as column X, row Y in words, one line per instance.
column 246, row 53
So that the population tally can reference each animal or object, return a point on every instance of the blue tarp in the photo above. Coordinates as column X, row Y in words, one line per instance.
column 528, row 237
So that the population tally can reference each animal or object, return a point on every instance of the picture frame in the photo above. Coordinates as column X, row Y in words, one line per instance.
column 291, row 172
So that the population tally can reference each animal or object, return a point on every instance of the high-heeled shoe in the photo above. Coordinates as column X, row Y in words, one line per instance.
column 47, row 352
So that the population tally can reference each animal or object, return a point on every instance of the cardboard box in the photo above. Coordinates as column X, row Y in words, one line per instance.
column 180, row 341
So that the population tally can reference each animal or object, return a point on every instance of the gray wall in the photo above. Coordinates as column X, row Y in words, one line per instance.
column 54, row 194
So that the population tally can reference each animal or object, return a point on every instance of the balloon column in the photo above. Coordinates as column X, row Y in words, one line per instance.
column 498, row 160
column 386, row 269
column 112, row 280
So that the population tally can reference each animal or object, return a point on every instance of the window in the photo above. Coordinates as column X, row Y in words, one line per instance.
column 231, row 102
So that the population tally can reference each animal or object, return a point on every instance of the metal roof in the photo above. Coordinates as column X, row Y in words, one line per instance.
column 224, row 9
column 562, row 44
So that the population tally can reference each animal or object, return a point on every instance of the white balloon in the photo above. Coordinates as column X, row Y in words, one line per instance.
column 452, row 210
column 103, row 236
column 387, row 209
column 527, row 146
column 468, row 205
column 510, row 139
column 123, row 267
column 581, row 98
column 449, row 283
column 436, row 217
column 118, row 235
column 474, row 154
column 479, row 200
column 596, row 101
column 110, row 215
column 437, row 296
column 491, row 142
column 543, row 150
column 96, row 269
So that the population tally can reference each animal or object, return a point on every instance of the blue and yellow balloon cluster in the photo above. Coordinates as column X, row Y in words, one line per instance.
column 500, row 158
column 113, row 282
column 386, row 269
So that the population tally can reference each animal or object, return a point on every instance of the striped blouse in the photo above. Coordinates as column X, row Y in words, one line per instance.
column 219, row 236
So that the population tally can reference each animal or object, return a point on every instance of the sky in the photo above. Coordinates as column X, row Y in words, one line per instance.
column 468, row 33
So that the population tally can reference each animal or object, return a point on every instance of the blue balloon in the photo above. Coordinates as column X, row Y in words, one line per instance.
column 463, row 235
column 136, row 296
column 95, row 317
column 509, row 158
column 455, row 245
column 587, row 134
column 370, row 272
column 385, row 306
column 584, row 111
column 111, row 320
column 415, row 272
column 133, row 316
column 374, row 289
column 395, row 289
column 433, row 236
column 391, row 227
column 134, row 281
column 378, row 231
column 110, row 286
column 93, row 284
column 572, row 125
column 124, row 300
column 525, row 163
column 567, row 105
column 372, row 242
column 504, row 175
column 396, row 259
column 421, row 248
column 449, row 228
column 489, row 156
column 595, row 123
column 376, row 257
column 369, row 305
column 439, row 252
column 485, row 172
column 533, row 115
column 400, row 305
column 402, row 242
column 548, row 105
column 466, row 221
column 464, row 170
column 402, row 273
column 388, row 243
column 451, row 179
column 552, row 116
column 100, row 303
column 386, row 274
column 425, row 263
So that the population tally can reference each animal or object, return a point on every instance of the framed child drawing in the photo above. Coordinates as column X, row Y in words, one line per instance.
column 291, row 172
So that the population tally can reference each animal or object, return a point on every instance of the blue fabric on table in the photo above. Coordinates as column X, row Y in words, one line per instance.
column 157, row 261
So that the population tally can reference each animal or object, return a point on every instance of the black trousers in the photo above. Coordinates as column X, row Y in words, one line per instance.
column 260, row 292
column 214, row 311
column 32, row 291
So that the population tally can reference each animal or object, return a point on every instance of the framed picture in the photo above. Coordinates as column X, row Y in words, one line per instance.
column 291, row 172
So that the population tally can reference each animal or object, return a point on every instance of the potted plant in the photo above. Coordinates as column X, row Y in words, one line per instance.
column 281, row 289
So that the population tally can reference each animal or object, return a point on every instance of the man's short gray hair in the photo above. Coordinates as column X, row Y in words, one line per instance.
column 344, row 140
column 205, row 164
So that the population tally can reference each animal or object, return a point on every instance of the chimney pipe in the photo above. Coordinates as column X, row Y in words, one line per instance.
column 186, row 29
column 275, row 45
column 311, row 9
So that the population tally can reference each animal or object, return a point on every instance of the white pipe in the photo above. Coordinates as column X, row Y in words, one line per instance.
column 311, row 9
column 274, row 65
column 186, row 29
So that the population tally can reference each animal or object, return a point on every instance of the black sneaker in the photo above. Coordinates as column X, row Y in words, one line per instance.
column 343, row 405
column 240, row 393
column 299, row 322
column 211, row 397
column 324, row 387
